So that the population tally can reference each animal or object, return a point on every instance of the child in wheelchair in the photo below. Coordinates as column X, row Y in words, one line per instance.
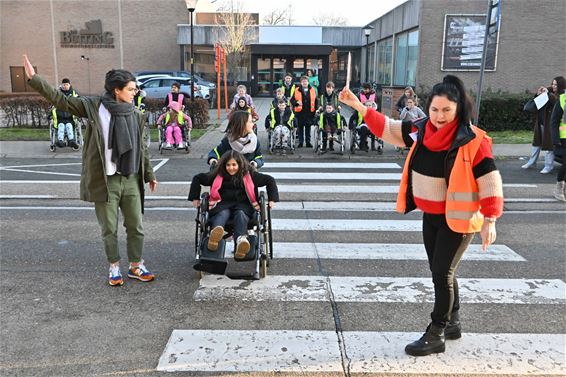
column 330, row 123
column 174, row 121
column 233, row 196
column 361, row 132
column 280, row 125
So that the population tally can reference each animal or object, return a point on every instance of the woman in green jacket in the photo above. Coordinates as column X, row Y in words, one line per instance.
column 115, row 163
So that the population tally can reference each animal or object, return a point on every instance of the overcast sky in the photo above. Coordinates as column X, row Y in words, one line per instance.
column 356, row 12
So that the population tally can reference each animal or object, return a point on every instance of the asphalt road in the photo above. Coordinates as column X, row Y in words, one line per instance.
column 322, row 315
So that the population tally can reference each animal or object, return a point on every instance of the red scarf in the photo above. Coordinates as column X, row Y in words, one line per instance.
column 437, row 140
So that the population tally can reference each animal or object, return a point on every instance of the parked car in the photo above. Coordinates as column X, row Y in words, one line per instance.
column 198, row 79
column 159, row 87
column 143, row 78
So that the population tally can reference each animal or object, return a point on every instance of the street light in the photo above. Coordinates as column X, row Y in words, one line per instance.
column 191, row 5
column 367, row 31
column 83, row 58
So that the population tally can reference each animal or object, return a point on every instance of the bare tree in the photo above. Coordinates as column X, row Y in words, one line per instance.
column 326, row 19
column 279, row 16
column 237, row 30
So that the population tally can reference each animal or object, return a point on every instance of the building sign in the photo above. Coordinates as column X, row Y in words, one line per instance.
column 463, row 43
column 90, row 37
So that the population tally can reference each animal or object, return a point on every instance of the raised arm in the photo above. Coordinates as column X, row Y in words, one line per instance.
column 73, row 105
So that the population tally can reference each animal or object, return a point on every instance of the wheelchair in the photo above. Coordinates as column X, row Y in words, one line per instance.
column 186, row 135
column 355, row 142
column 77, row 129
column 259, row 236
column 339, row 137
column 280, row 148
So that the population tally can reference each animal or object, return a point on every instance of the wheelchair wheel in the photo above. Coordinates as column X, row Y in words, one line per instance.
column 317, row 141
column 342, row 141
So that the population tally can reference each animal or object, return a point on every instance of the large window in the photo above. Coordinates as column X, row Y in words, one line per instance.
column 371, row 52
column 406, row 47
column 384, row 58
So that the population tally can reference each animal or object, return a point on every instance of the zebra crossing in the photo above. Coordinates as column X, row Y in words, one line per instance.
column 301, row 229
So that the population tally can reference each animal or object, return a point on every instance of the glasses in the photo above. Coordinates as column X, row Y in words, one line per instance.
column 132, row 90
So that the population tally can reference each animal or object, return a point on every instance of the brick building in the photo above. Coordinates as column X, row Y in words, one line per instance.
column 411, row 45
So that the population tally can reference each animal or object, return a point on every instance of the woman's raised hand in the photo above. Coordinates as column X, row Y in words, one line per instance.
column 30, row 72
column 347, row 97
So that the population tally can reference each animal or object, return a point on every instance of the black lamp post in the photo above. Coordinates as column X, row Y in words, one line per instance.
column 367, row 31
column 191, row 5
column 83, row 58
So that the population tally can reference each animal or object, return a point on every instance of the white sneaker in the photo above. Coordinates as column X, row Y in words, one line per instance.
column 528, row 166
column 181, row 145
column 242, row 247
column 168, row 146
column 546, row 170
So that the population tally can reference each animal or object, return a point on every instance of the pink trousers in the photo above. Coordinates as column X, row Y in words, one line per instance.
column 173, row 135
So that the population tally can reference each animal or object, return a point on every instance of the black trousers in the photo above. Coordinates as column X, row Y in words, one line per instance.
column 444, row 249
column 305, row 121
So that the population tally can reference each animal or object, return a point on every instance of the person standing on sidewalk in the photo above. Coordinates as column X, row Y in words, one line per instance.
column 541, row 137
column 558, row 131
column 306, row 103
column 450, row 175
column 115, row 163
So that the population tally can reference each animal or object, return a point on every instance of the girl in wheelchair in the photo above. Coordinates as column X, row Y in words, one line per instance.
column 280, row 125
column 233, row 196
column 174, row 120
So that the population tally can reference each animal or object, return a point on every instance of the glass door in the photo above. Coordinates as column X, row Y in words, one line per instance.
column 264, row 76
column 279, row 72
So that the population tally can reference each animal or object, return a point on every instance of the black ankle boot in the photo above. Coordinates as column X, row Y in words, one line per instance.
column 431, row 342
column 453, row 329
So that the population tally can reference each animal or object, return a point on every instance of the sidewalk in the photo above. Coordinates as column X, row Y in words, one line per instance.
column 201, row 147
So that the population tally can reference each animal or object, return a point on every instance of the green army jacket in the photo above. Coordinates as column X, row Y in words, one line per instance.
column 93, row 187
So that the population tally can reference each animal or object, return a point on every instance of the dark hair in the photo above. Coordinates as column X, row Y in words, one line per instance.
column 304, row 78
column 237, row 124
column 282, row 100
column 561, row 82
column 329, row 104
column 241, row 99
column 177, row 85
column 65, row 81
column 289, row 74
column 330, row 84
column 244, row 166
column 117, row 79
column 366, row 85
column 453, row 88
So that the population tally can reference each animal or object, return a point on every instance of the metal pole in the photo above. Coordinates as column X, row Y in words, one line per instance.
column 192, row 58
column 484, row 53
column 367, row 58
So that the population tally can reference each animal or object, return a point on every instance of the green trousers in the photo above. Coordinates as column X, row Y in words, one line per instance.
column 123, row 193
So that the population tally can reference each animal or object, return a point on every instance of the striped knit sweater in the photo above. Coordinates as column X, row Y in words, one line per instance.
column 429, row 185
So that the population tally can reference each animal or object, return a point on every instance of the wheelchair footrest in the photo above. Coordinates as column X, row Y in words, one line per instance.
column 212, row 261
column 251, row 255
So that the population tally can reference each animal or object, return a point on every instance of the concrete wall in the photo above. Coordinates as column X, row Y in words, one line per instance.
column 149, row 32
column 531, row 43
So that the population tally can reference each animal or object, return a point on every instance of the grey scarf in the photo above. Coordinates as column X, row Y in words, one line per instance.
column 123, row 135
column 246, row 144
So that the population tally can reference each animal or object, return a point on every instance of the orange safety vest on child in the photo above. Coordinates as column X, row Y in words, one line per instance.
column 462, row 196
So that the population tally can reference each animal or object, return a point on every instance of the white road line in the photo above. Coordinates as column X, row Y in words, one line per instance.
column 337, row 176
column 28, row 196
column 329, row 165
column 344, row 189
column 375, row 251
column 163, row 162
column 38, row 166
column 304, row 352
column 336, row 206
column 43, row 172
column 530, row 200
column 347, row 224
column 380, row 289
column 248, row 351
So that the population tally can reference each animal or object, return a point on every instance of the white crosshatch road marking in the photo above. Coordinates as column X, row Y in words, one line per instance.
column 390, row 251
column 334, row 176
column 325, row 165
column 347, row 224
column 379, row 289
column 303, row 352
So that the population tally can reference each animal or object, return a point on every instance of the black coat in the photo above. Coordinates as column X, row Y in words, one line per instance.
column 233, row 195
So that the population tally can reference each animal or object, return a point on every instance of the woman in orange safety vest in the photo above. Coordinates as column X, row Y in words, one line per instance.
column 450, row 175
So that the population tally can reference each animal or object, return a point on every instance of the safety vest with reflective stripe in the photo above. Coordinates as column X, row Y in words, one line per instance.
column 338, row 121
column 180, row 118
column 291, row 90
column 139, row 103
column 462, row 196
column 273, row 120
column 299, row 99
column 54, row 111
column 562, row 126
